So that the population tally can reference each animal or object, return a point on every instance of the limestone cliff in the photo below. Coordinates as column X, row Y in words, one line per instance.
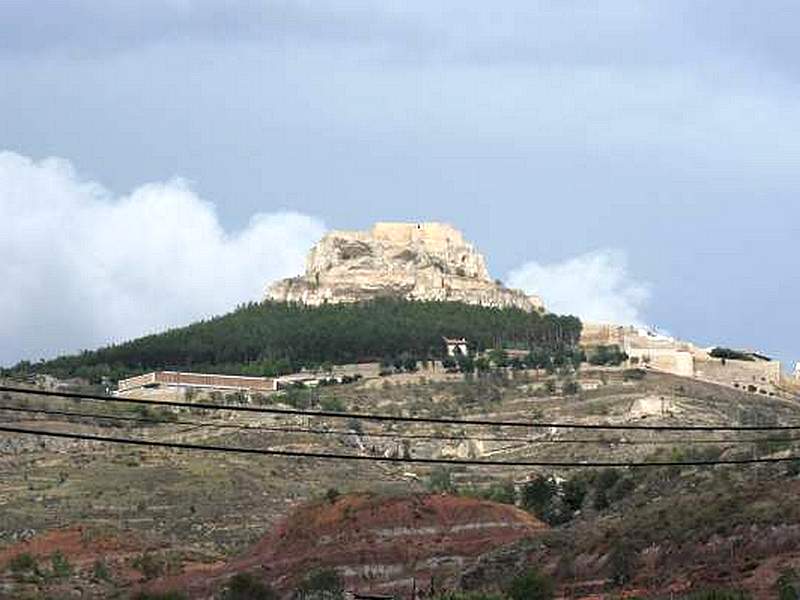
column 427, row 261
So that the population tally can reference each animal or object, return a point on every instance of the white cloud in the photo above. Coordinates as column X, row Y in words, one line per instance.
column 81, row 268
column 597, row 287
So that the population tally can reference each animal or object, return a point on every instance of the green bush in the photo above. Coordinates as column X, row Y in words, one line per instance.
column 607, row 356
column 571, row 388
column 149, row 565
column 728, row 354
column 538, row 494
column 622, row 563
column 333, row 404
column 62, row 569
column 441, row 481
column 246, row 586
column 634, row 374
column 323, row 584
column 22, row 563
column 100, row 571
column 574, row 492
column 171, row 595
column 470, row 596
column 788, row 585
column 717, row 595
column 531, row 586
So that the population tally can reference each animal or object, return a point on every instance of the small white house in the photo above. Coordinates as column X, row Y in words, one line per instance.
column 456, row 347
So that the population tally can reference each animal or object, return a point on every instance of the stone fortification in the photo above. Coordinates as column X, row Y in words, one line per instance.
column 426, row 261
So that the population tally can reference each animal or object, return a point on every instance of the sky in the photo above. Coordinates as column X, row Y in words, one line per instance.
column 630, row 161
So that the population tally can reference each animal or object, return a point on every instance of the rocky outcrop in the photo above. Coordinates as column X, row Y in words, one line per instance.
column 426, row 261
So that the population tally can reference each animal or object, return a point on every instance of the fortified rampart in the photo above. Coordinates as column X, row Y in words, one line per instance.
column 651, row 350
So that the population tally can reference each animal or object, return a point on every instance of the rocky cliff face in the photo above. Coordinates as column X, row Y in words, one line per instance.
column 427, row 261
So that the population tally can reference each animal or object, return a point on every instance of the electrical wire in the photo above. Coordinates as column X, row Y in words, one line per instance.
column 389, row 434
column 399, row 419
column 384, row 459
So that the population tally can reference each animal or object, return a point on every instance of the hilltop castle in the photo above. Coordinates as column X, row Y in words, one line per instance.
column 422, row 261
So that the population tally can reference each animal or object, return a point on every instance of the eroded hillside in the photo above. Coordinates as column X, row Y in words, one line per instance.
column 176, row 511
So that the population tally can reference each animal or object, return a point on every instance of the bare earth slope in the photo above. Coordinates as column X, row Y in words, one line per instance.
column 380, row 544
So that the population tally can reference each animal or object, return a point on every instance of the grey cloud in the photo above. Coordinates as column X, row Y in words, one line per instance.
column 521, row 32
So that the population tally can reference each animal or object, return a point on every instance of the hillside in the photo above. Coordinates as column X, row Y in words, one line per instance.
column 149, row 513
column 275, row 338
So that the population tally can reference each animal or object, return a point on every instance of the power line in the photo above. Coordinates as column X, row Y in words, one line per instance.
column 389, row 434
column 383, row 459
column 400, row 419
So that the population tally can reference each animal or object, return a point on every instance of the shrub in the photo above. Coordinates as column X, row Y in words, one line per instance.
column 622, row 563
column 571, row 388
column 531, row 586
column 171, row 595
column 61, row 567
column 728, row 354
column 634, row 374
column 441, row 481
column 333, row 404
column 23, row 566
column 21, row 563
column 717, row 595
column 246, row 586
column 470, row 596
column 788, row 585
column 607, row 355
column 503, row 493
column 324, row 584
column 148, row 565
column 538, row 494
column 356, row 426
column 575, row 491
column 100, row 571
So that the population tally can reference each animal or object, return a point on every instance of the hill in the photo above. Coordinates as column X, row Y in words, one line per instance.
column 146, row 513
column 275, row 338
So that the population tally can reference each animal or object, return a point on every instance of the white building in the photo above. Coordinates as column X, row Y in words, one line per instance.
column 456, row 347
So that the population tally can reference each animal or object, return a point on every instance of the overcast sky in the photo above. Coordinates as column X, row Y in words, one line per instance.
column 635, row 161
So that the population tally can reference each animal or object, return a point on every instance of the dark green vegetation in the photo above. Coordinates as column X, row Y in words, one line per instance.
column 25, row 568
column 246, row 586
column 531, row 585
column 276, row 338
column 323, row 584
column 728, row 354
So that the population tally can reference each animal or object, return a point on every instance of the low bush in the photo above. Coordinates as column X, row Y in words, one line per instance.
column 172, row 595
column 531, row 586
column 323, row 584
column 62, row 568
column 246, row 586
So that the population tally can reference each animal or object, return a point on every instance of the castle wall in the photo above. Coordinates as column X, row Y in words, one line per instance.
column 677, row 362
column 740, row 372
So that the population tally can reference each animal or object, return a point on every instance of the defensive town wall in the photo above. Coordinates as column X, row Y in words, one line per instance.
column 758, row 373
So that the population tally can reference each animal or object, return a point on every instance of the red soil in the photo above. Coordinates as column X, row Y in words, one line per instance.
column 378, row 544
